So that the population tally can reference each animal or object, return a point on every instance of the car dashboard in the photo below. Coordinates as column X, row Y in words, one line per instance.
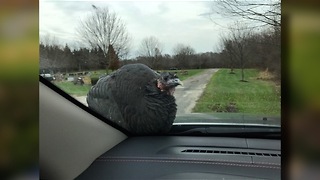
column 188, row 157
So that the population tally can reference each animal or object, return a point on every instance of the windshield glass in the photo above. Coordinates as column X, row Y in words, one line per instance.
column 220, row 60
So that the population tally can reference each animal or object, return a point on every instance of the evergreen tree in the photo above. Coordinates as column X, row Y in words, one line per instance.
column 113, row 58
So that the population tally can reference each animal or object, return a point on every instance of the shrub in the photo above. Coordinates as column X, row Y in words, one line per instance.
column 94, row 80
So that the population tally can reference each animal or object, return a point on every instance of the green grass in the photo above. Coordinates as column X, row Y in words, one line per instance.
column 70, row 88
column 226, row 93
column 79, row 90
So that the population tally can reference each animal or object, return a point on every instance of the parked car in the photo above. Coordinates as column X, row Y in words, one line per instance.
column 47, row 74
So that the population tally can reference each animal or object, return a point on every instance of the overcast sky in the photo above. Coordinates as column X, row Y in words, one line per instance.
column 172, row 22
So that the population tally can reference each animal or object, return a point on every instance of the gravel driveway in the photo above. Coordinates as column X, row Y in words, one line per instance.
column 186, row 95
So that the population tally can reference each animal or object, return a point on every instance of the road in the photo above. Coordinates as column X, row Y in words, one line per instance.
column 186, row 95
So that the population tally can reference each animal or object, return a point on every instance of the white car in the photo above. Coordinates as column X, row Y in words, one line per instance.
column 48, row 77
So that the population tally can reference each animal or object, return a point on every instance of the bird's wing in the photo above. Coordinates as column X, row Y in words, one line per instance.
column 160, row 111
column 101, row 99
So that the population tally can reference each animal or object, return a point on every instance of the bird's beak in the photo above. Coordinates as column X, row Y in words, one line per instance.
column 175, row 82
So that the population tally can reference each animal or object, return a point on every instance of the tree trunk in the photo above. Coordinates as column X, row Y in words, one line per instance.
column 242, row 66
column 242, row 74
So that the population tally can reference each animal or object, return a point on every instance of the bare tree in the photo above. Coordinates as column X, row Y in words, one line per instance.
column 267, row 12
column 229, row 49
column 49, row 40
column 181, row 49
column 151, row 48
column 263, row 13
column 102, row 28
column 239, row 43
column 183, row 53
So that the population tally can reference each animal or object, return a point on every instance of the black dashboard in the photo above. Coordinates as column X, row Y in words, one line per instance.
column 188, row 157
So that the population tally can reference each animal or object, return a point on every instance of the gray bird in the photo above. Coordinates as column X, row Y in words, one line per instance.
column 137, row 98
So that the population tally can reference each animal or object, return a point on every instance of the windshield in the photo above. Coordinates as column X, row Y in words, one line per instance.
column 220, row 60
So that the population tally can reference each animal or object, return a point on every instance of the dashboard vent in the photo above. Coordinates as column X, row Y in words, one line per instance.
column 205, row 151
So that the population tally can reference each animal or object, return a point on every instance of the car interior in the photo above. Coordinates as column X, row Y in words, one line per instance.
column 76, row 144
